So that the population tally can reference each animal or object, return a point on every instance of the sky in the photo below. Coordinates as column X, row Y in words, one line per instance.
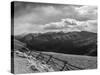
column 44, row 17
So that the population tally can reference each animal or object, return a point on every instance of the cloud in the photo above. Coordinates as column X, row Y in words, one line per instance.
column 73, row 25
column 27, row 28
column 50, row 11
column 87, row 12
column 39, row 15
column 69, row 21
column 90, row 25
column 64, row 23
column 42, row 18
column 53, row 26
column 47, row 14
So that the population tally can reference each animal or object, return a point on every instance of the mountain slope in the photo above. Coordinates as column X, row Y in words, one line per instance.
column 81, row 43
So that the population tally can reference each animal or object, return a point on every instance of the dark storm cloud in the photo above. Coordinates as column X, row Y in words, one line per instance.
column 42, row 13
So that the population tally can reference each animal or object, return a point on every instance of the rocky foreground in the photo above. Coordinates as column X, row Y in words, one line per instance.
column 29, row 64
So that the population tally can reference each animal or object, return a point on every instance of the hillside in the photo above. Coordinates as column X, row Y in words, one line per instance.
column 87, row 62
column 81, row 43
column 18, row 44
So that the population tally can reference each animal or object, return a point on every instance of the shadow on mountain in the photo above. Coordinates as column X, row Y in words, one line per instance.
column 79, row 43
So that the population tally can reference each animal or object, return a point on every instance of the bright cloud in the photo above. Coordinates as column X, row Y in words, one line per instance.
column 88, row 12
column 73, row 25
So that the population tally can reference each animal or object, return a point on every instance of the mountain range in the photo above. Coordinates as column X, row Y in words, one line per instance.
column 78, row 43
